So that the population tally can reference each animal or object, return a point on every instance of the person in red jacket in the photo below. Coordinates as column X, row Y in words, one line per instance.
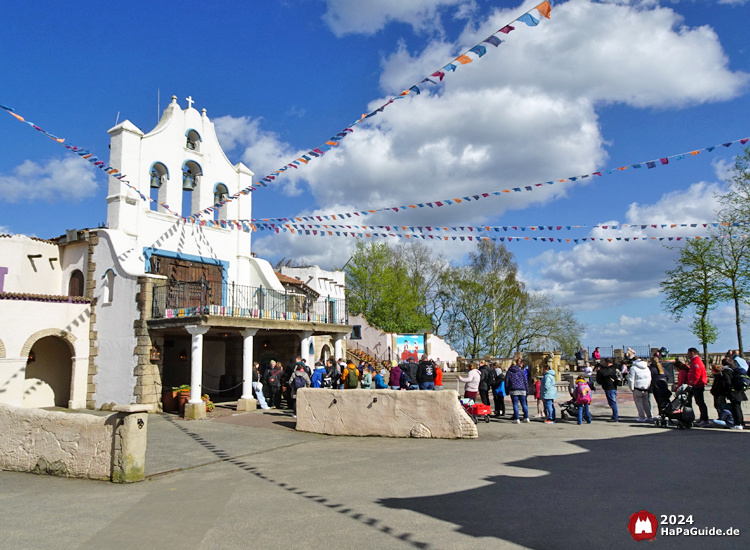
column 698, row 378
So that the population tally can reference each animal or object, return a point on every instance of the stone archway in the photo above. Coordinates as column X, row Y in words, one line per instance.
column 49, row 369
column 325, row 353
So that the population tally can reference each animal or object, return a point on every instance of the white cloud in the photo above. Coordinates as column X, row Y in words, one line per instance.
column 262, row 151
column 659, row 329
column 524, row 113
column 4, row 230
column 69, row 179
column 369, row 16
column 600, row 274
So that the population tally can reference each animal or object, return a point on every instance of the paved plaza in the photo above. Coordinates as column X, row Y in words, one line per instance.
column 251, row 481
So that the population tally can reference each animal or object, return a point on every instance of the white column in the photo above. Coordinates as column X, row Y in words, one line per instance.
column 196, row 362
column 304, row 351
column 247, row 362
column 338, row 348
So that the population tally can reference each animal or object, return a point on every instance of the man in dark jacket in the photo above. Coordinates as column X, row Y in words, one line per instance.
column 411, row 369
column 273, row 380
column 426, row 374
column 486, row 377
column 606, row 377
column 332, row 372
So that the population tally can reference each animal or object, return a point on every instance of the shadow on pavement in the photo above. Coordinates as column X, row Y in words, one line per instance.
column 363, row 519
column 586, row 499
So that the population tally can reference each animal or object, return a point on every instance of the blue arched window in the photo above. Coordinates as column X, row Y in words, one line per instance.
column 193, row 140
column 158, row 177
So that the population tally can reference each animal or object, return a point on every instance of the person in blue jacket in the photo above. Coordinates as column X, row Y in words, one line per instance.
column 549, row 394
column 317, row 375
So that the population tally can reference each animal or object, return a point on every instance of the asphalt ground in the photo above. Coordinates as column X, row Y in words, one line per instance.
column 251, row 481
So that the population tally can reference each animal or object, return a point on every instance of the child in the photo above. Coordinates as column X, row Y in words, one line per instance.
column 540, row 412
column 582, row 395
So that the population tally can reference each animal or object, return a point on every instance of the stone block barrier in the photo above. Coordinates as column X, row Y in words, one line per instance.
column 387, row 413
column 109, row 447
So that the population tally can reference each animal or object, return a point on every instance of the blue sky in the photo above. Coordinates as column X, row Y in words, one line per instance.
column 598, row 86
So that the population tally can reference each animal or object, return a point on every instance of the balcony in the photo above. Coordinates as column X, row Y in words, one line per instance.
column 178, row 300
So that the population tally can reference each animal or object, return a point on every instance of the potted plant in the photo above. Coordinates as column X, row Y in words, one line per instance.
column 183, row 396
column 209, row 404
column 168, row 399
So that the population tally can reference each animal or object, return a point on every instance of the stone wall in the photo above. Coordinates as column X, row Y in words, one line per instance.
column 93, row 241
column 148, row 387
column 388, row 413
column 109, row 447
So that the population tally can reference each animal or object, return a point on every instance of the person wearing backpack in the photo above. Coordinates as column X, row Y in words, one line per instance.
column 639, row 381
column 299, row 380
column 609, row 377
column 316, row 380
column 582, row 396
column 273, row 379
column 740, row 382
column 549, row 394
column 350, row 376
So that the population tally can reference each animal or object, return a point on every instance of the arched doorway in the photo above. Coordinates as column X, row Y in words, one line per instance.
column 325, row 353
column 48, row 373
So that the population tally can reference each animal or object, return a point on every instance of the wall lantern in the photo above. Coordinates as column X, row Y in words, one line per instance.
column 183, row 355
column 32, row 357
column 155, row 353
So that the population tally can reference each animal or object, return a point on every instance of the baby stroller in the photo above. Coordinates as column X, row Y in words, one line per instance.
column 569, row 409
column 679, row 409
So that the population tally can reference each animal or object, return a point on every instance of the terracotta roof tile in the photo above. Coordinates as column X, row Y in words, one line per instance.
column 43, row 297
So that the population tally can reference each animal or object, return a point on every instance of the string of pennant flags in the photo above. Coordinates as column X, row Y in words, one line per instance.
column 374, row 235
column 263, row 226
column 544, row 9
column 256, row 224
column 662, row 161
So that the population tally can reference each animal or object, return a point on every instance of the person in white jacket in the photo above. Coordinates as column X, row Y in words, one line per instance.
column 639, row 380
column 472, row 382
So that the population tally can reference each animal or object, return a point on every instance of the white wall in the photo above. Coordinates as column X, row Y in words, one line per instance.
column 373, row 338
column 133, row 154
column 32, row 276
column 20, row 320
column 115, row 378
column 329, row 284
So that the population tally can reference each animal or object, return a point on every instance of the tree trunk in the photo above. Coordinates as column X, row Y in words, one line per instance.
column 737, row 317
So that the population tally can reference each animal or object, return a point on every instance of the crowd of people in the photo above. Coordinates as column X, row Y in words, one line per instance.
column 274, row 384
column 646, row 381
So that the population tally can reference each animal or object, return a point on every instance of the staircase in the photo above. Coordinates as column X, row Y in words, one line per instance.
column 360, row 356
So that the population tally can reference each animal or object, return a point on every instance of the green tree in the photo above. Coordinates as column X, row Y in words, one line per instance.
column 733, row 251
column 695, row 284
column 380, row 288
column 537, row 322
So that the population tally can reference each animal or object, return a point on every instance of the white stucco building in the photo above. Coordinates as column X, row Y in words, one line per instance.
column 162, row 301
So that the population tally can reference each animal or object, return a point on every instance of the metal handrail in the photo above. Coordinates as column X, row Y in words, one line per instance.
column 187, row 299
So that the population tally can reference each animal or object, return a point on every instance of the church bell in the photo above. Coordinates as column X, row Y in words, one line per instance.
column 188, row 182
